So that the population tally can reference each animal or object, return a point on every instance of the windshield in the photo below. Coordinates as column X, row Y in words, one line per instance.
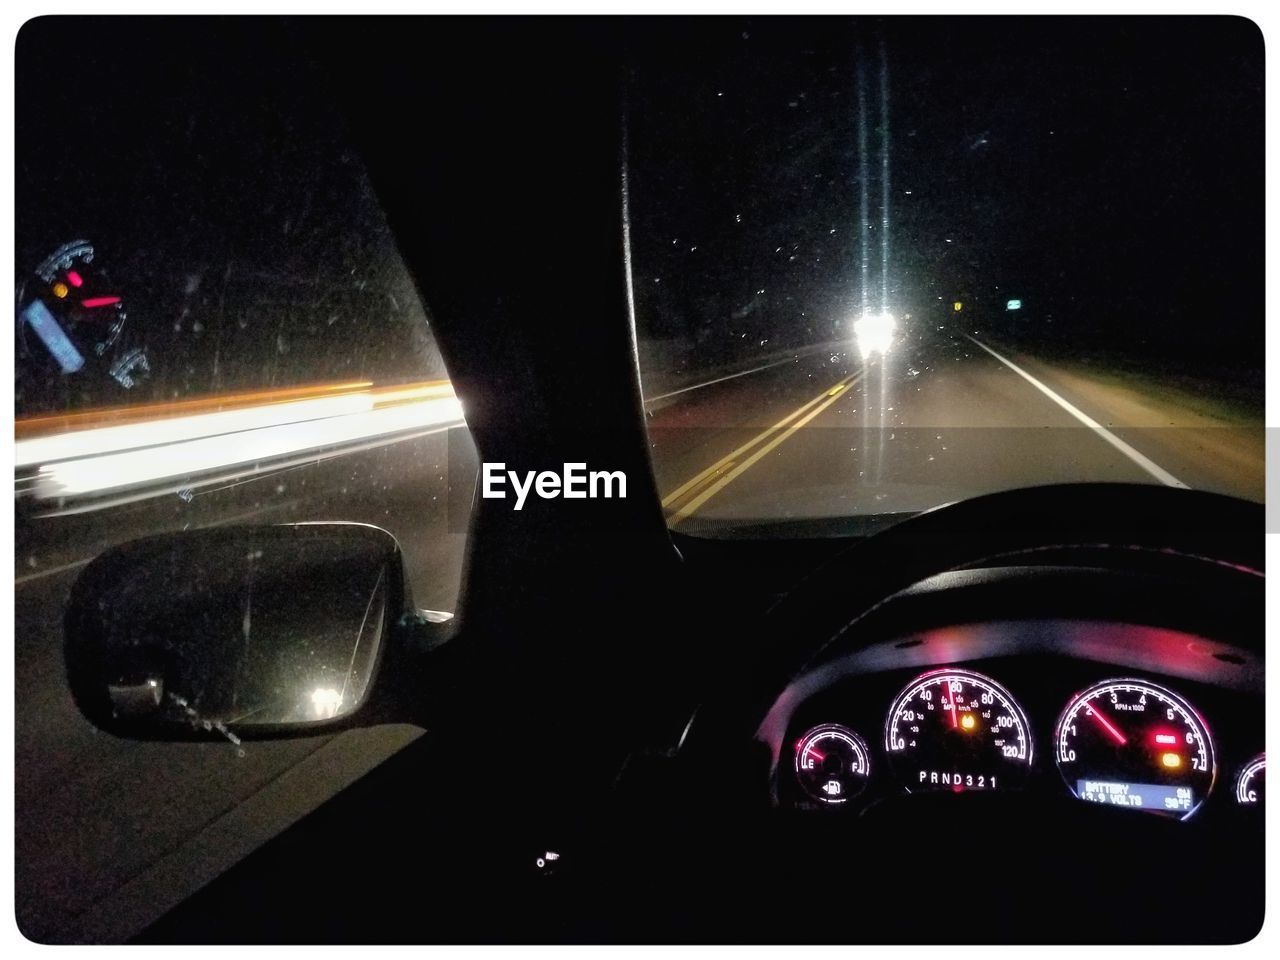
column 883, row 265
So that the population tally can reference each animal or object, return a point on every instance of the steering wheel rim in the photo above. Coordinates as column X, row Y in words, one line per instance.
column 1184, row 523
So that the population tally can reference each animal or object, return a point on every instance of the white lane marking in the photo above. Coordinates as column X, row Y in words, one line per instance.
column 1145, row 462
column 732, row 376
column 19, row 581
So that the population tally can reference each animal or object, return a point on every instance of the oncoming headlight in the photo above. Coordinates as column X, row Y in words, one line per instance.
column 874, row 332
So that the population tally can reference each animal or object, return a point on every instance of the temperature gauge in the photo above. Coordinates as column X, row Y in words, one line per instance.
column 1251, row 781
column 833, row 763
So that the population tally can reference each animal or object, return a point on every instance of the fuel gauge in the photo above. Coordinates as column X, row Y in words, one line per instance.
column 833, row 763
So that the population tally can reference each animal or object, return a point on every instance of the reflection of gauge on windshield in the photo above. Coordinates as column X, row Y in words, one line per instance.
column 1130, row 743
column 957, row 730
column 832, row 763
column 1251, row 781
column 71, row 319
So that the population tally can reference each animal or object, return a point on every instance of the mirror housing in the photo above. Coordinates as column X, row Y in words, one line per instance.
column 234, row 631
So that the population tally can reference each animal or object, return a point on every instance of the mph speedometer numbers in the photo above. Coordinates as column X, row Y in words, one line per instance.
column 957, row 730
column 1130, row 743
column 832, row 763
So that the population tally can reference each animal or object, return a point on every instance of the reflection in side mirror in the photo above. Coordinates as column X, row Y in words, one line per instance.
column 249, row 629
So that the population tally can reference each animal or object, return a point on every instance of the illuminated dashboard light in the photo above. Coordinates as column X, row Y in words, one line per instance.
column 1249, row 785
column 1088, row 759
column 922, row 739
column 60, row 290
column 75, row 279
column 1168, row 738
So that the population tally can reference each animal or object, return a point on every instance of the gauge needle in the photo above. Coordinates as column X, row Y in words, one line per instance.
column 1107, row 724
column 814, row 753
column 955, row 721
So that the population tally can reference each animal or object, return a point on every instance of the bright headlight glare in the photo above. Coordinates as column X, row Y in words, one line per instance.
column 325, row 702
column 874, row 332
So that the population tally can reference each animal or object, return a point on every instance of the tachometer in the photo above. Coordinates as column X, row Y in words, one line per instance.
column 1131, row 743
column 832, row 763
column 957, row 730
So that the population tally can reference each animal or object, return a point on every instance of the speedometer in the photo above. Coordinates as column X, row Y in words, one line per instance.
column 957, row 730
column 1131, row 743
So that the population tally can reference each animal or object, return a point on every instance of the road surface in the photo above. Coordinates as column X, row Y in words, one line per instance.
column 943, row 417
column 109, row 833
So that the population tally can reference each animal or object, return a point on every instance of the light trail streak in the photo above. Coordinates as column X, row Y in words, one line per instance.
column 133, row 413
column 884, row 179
column 109, row 458
column 864, row 213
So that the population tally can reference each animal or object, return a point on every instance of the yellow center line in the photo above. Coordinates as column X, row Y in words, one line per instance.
column 828, row 398
column 728, row 459
column 705, row 477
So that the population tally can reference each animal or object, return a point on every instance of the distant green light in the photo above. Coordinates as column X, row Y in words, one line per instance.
column 1013, row 305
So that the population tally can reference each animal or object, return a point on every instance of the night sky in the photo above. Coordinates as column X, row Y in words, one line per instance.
column 1108, row 172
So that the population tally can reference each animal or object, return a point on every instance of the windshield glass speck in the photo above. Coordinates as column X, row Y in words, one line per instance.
column 881, row 265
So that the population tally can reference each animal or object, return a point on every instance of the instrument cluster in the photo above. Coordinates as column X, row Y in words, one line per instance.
column 1121, row 740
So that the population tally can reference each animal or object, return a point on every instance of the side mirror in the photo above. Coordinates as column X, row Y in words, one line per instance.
column 242, row 630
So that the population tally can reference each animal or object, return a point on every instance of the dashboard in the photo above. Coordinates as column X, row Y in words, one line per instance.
column 1126, row 717
column 1034, row 718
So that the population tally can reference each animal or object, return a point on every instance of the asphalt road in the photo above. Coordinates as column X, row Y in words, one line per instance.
column 943, row 417
column 110, row 833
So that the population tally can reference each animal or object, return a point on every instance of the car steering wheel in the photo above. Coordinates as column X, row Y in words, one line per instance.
column 1120, row 522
